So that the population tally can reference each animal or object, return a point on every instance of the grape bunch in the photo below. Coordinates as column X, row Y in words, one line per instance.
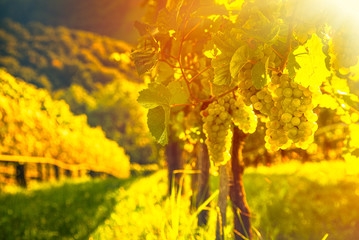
column 218, row 117
column 246, row 88
column 243, row 116
column 291, row 119
column 217, row 121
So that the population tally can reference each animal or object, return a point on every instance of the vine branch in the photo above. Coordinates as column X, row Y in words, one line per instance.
column 288, row 47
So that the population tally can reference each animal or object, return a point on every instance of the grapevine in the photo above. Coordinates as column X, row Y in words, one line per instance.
column 262, row 60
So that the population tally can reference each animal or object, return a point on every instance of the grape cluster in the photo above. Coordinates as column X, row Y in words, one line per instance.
column 217, row 122
column 243, row 116
column 291, row 119
column 246, row 88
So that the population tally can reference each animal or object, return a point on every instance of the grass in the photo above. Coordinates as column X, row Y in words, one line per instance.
column 72, row 209
column 288, row 201
column 295, row 201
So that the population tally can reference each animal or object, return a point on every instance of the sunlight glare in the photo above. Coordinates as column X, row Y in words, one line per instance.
column 345, row 8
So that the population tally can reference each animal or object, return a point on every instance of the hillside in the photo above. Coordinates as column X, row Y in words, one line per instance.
column 112, row 18
column 54, row 58
column 92, row 73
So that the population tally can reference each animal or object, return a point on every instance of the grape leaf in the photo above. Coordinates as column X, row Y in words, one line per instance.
column 166, row 21
column 327, row 101
column 143, row 28
column 292, row 65
column 232, row 5
column 354, row 72
column 259, row 75
column 179, row 92
column 206, row 9
column 155, row 95
column 238, row 60
column 351, row 100
column 157, row 121
column 164, row 72
column 311, row 61
column 221, row 66
column 145, row 60
column 226, row 42
column 260, row 27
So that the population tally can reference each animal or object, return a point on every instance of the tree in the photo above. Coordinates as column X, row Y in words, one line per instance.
column 242, row 62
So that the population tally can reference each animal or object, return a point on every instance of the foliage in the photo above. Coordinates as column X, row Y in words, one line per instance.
column 32, row 124
column 93, row 74
column 113, row 18
column 59, row 57
column 265, row 52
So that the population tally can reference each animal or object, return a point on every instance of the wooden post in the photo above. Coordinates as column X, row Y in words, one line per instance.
column 242, row 224
column 222, row 202
column 39, row 172
column 57, row 172
column 20, row 175
column 174, row 162
column 203, row 182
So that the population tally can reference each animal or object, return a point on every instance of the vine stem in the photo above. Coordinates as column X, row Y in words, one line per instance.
column 173, row 66
column 221, row 95
column 277, row 53
column 198, row 74
column 182, row 104
column 288, row 47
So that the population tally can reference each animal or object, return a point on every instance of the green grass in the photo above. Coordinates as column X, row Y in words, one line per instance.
column 71, row 209
column 295, row 201
column 288, row 202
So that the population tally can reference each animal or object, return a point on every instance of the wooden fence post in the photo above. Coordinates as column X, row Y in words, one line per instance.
column 20, row 175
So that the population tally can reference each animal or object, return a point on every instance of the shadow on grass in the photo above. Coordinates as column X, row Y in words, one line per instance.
column 70, row 211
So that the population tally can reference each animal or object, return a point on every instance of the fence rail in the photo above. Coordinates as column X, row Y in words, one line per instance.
column 21, row 175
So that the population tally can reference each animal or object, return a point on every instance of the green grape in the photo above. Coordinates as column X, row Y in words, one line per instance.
column 287, row 92
column 243, row 116
column 286, row 117
column 217, row 122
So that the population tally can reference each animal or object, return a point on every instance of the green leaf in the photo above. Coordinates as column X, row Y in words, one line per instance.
column 179, row 92
column 209, row 9
column 155, row 95
column 221, row 66
column 292, row 65
column 260, row 27
column 311, row 61
column 144, row 60
column 166, row 21
column 238, row 60
column 226, row 42
column 259, row 75
column 157, row 121
column 351, row 100
column 164, row 72
column 143, row 28
column 354, row 72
